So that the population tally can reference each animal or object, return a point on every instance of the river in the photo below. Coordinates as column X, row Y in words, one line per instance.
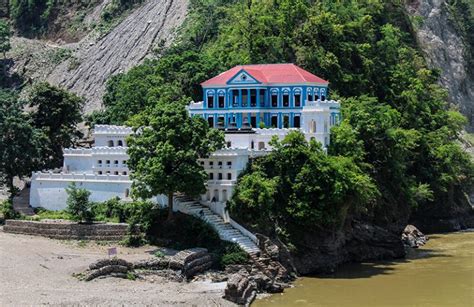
column 441, row 273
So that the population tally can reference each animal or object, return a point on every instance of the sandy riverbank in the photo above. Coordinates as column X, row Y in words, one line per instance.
column 38, row 271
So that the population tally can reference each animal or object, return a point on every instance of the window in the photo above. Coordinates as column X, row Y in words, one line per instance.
column 116, row 162
column 107, row 162
column 229, row 164
column 110, row 143
column 262, row 98
column 220, row 176
column 274, row 100
column 119, row 143
column 99, row 162
column 286, row 100
column 286, row 121
column 244, row 97
column 124, row 173
column 211, row 164
column 252, row 145
column 219, row 164
column 297, row 122
column 210, row 121
column 229, row 144
column 229, row 176
column 297, row 100
column 274, row 121
column 124, row 162
column 127, row 192
column 221, row 102
column 253, row 98
column 235, row 101
column 312, row 127
column 323, row 98
column 310, row 97
column 202, row 163
column 221, row 122
column 108, row 172
column 210, row 101
column 99, row 172
column 316, row 97
column 253, row 121
column 116, row 173
column 211, row 176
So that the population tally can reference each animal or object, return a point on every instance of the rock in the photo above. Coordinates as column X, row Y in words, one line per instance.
column 106, row 270
column 153, row 264
column 240, row 289
column 109, row 262
column 412, row 237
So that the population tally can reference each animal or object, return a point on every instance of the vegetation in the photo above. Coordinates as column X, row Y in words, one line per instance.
column 20, row 142
column 164, row 151
column 78, row 205
column 395, row 153
column 5, row 33
column 7, row 212
column 57, row 113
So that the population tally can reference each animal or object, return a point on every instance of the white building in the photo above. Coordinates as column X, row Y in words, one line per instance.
column 103, row 169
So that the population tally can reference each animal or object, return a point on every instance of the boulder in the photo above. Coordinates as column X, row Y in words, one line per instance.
column 413, row 237
column 240, row 289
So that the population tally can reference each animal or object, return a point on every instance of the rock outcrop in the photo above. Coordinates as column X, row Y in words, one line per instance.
column 240, row 289
column 413, row 237
column 444, row 49
column 127, row 45
column 358, row 242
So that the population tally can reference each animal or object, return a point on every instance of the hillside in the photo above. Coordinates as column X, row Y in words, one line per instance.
column 84, row 60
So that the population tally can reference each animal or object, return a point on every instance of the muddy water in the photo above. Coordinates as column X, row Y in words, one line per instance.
column 439, row 274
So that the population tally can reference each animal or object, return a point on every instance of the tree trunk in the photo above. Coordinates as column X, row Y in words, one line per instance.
column 170, row 206
column 11, row 188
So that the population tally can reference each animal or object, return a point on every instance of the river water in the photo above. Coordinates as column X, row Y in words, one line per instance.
column 441, row 273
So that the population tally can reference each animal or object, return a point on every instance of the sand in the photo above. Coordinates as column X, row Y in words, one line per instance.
column 39, row 271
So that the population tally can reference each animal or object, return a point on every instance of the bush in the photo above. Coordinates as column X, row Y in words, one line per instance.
column 233, row 254
column 7, row 211
column 42, row 214
column 78, row 205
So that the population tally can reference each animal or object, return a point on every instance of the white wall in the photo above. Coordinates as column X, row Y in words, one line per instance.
column 51, row 193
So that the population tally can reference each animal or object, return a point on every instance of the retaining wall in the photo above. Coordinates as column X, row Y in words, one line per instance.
column 68, row 230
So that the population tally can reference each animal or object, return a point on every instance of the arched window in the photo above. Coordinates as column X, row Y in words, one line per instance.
column 210, row 99
column 286, row 98
column 116, row 173
column 310, row 94
column 274, row 98
column 221, row 99
column 297, row 98
column 124, row 173
column 211, row 176
column 229, row 176
column 120, row 143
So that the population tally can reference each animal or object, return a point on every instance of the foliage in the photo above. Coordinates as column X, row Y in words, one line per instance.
column 44, row 214
column 30, row 16
column 116, row 7
column 7, row 211
column 164, row 151
column 299, row 188
column 78, row 205
column 5, row 33
column 20, row 142
column 57, row 113
column 233, row 254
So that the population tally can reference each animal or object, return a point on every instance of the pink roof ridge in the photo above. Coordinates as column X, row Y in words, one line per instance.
column 268, row 74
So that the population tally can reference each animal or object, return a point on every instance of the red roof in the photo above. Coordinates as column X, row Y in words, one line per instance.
column 268, row 74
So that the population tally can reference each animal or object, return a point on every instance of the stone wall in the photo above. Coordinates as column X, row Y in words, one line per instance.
column 68, row 230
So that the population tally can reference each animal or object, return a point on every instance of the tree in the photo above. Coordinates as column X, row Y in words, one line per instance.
column 20, row 142
column 78, row 204
column 5, row 33
column 164, row 151
column 56, row 112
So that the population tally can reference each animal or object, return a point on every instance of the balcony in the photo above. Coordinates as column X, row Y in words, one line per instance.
column 196, row 105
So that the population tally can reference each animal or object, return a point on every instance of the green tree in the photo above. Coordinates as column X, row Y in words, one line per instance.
column 5, row 33
column 165, row 148
column 78, row 205
column 298, row 188
column 20, row 142
column 56, row 112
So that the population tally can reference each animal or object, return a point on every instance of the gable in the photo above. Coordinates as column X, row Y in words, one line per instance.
column 243, row 77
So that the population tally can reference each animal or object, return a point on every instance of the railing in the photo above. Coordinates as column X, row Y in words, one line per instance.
column 196, row 105
column 79, row 177
column 112, row 129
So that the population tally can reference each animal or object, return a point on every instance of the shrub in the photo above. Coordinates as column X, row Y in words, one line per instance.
column 7, row 211
column 78, row 205
column 233, row 254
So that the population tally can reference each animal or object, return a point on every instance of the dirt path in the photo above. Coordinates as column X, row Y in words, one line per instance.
column 38, row 271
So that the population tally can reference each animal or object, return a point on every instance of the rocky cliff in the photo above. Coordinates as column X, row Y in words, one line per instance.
column 445, row 49
column 84, row 66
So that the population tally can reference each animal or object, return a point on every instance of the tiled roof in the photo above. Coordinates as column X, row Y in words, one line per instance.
column 268, row 74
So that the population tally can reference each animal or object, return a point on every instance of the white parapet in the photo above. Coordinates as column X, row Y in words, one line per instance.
column 78, row 177
column 112, row 130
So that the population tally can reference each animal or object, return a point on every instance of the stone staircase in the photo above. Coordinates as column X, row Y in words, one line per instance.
column 21, row 202
column 225, row 230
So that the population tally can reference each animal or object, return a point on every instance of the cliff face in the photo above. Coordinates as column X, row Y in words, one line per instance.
column 83, row 67
column 444, row 49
